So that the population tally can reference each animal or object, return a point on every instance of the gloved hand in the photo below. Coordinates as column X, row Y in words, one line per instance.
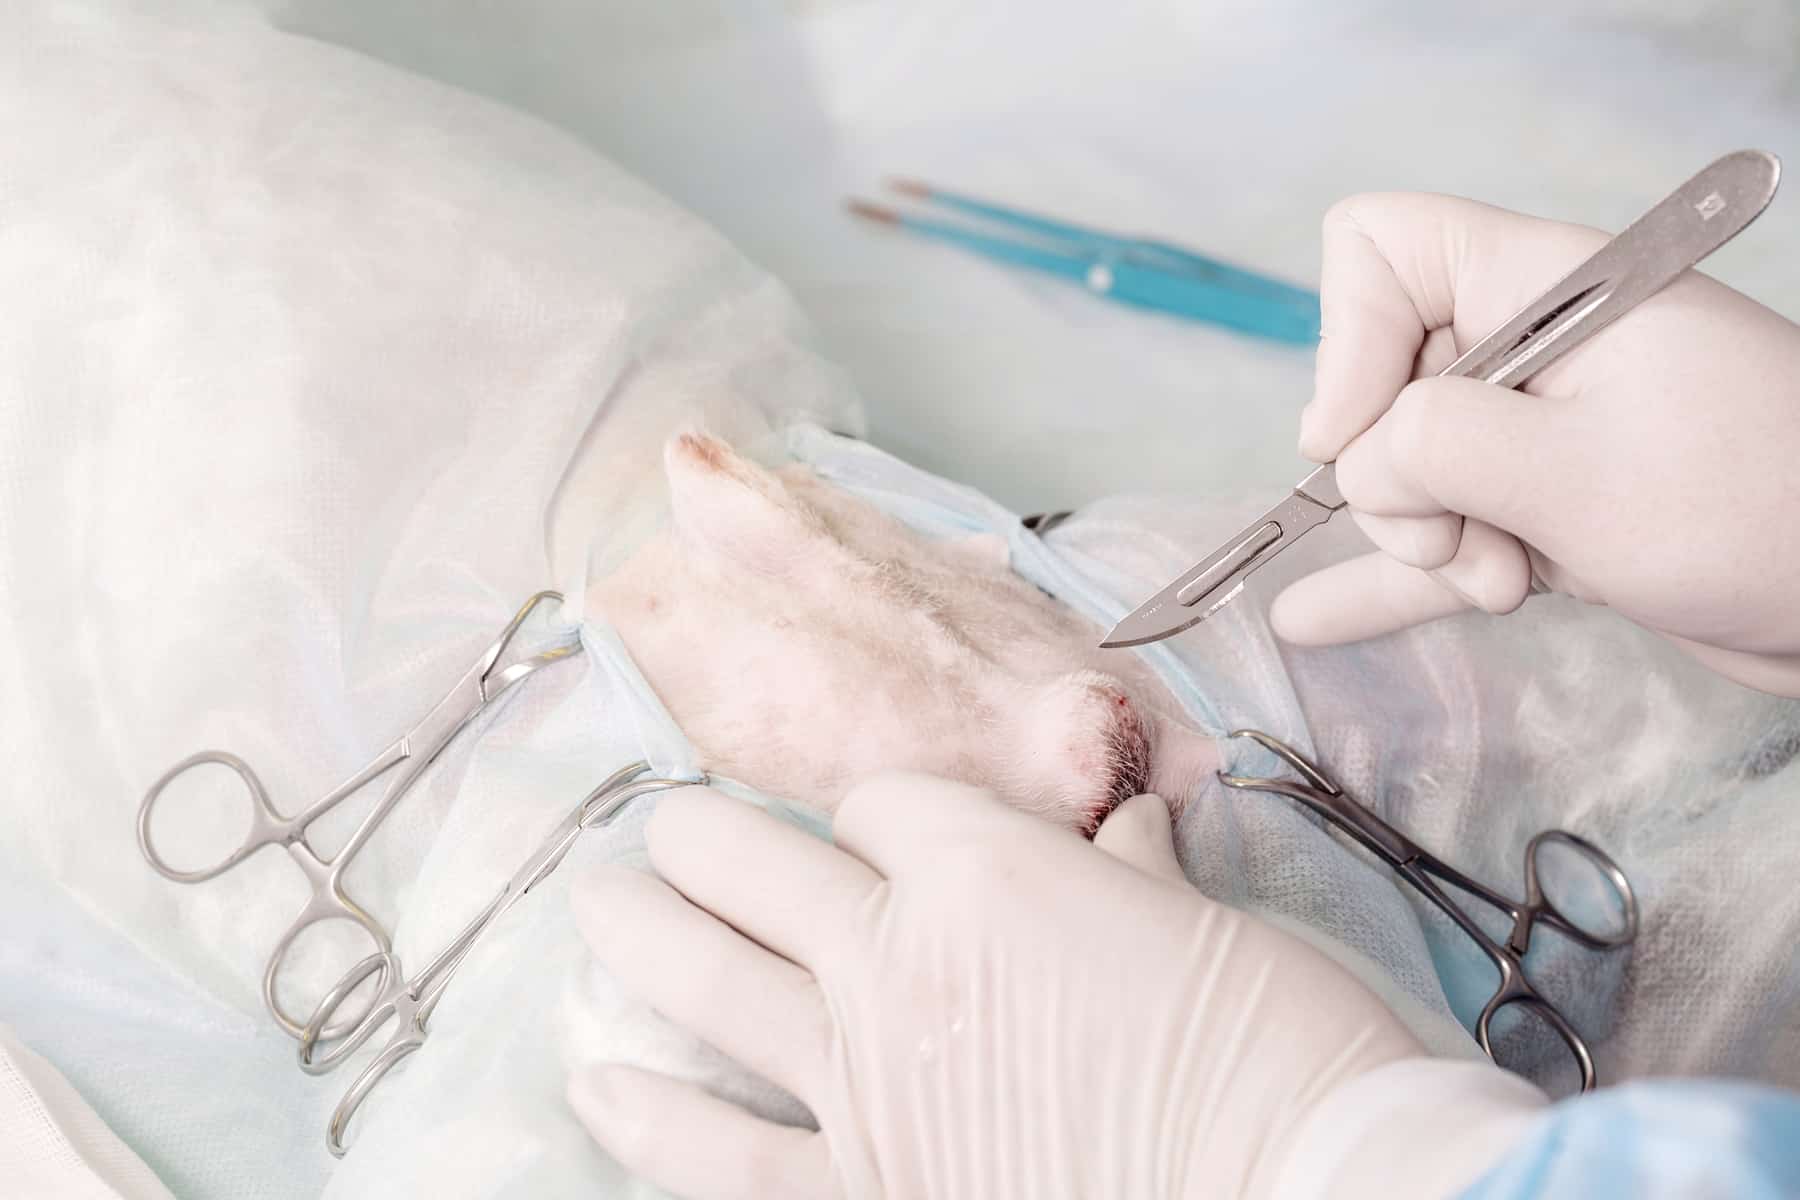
column 973, row 1002
column 1650, row 470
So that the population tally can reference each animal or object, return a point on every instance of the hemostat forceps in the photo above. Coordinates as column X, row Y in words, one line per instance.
column 407, row 755
column 1697, row 218
column 409, row 1002
column 1137, row 271
column 1424, row 871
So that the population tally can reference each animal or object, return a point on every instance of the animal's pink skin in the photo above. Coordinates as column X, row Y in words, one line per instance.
column 803, row 639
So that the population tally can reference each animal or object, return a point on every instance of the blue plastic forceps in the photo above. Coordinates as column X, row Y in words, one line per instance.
column 408, row 755
column 1137, row 271
column 1425, row 871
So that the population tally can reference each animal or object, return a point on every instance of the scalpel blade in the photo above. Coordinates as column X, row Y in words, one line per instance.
column 1209, row 584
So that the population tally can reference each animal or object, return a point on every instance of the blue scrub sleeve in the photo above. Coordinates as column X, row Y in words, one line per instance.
column 1657, row 1139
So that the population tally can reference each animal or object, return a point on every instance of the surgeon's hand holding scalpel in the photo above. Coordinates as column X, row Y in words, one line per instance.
column 1653, row 471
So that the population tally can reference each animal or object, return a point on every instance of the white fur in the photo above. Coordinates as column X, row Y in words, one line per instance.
column 803, row 639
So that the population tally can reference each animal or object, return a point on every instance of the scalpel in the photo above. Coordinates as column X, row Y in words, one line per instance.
column 1697, row 218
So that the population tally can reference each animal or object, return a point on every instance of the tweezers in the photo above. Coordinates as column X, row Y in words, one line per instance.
column 1697, row 218
column 1136, row 271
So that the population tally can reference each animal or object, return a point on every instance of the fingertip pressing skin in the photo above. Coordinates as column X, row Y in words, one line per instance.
column 1139, row 832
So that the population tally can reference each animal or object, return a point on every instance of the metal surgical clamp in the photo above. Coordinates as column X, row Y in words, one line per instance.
column 1424, row 871
column 409, row 1002
column 1697, row 218
column 408, row 756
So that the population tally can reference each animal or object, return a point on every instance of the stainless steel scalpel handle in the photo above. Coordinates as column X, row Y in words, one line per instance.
column 1697, row 218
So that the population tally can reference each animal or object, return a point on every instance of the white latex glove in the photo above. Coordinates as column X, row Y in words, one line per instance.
column 973, row 1002
column 1651, row 470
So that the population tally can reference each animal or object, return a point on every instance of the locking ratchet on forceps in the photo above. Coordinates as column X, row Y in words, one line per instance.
column 400, row 764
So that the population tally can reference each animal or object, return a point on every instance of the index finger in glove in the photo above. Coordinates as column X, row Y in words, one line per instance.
column 777, row 884
column 1139, row 832
column 1397, row 266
